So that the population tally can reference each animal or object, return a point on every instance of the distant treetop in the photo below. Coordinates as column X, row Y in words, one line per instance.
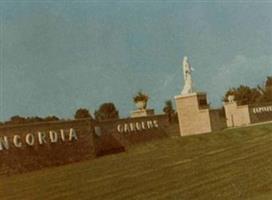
column 106, row 111
column 82, row 113
column 247, row 95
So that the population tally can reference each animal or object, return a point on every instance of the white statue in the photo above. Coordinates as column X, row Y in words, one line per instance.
column 187, row 74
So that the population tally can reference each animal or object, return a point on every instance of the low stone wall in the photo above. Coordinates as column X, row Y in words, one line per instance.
column 241, row 115
column 38, row 145
column 34, row 146
column 133, row 130
column 218, row 119
column 260, row 112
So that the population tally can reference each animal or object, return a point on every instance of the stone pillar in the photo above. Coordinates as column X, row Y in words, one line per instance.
column 142, row 113
column 193, row 114
column 236, row 115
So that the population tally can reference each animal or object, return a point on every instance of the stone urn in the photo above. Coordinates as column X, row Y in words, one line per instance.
column 231, row 98
column 141, row 105
column 140, row 100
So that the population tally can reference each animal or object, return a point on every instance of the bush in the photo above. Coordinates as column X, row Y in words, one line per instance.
column 169, row 110
column 106, row 111
column 82, row 113
column 22, row 120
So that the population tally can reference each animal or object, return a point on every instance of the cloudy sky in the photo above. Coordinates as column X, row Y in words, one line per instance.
column 57, row 56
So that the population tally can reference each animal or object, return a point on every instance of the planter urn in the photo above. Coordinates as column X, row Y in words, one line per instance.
column 140, row 105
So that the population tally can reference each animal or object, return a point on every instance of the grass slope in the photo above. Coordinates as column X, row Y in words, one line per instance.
column 232, row 164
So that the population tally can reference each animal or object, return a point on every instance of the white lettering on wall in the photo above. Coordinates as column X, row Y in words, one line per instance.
column 126, row 128
column 155, row 122
column 149, row 124
column 137, row 126
column 30, row 140
column 53, row 136
column 72, row 135
column 17, row 141
column 132, row 126
column 262, row 109
column 4, row 143
column 143, row 125
column 62, row 135
column 120, row 128
column 41, row 137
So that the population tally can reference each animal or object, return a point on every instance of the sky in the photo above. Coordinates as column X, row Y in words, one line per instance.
column 58, row 56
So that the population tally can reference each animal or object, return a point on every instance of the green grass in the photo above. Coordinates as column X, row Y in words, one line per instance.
column 232, row 164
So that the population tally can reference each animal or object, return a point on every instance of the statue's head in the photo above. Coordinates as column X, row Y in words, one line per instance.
column 185, row 60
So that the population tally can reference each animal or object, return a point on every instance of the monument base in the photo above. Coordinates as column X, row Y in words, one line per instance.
column 193, row 114
column 142, row 113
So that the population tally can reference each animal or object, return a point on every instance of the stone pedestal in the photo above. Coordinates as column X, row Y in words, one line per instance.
column 236, row 115
column 142, row 113
column 193, row 114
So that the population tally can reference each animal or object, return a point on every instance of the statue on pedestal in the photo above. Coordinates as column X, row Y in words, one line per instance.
column 187, row 74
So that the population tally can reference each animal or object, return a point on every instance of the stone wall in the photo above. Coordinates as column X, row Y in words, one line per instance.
column 34, row 146
column 242, row 115
column 260, row 112
column 131, row 131
column 39, row 145
column 218, row 119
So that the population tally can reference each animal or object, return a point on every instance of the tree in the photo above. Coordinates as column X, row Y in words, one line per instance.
column 268, row 82
column 169, row 110
column 33, row 119
column 244, row 95
column 23, row 120
column 16, row 120
column 51, row 118
column 106, row 111
column 267, row 90
column 82, row 113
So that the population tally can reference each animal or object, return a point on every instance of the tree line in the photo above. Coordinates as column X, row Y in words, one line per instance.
column 244, row 95
column 106, row 111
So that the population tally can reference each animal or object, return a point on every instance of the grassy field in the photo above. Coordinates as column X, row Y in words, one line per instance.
column 232, row 164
